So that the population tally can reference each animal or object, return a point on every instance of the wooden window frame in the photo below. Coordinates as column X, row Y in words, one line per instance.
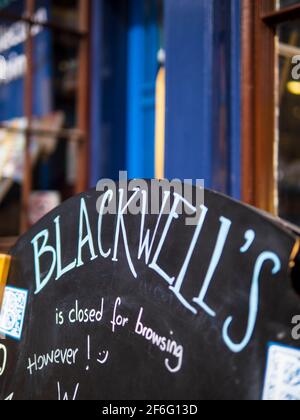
column 79, row 134
column 259, row 100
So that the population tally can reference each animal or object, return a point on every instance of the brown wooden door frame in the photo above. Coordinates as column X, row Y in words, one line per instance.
column 258, row 106
column 260, row 131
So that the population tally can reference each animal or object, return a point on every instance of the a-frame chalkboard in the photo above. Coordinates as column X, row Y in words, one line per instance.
column 148, row 306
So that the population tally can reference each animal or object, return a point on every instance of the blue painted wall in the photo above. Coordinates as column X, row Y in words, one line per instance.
column 143, row 45
column 108, row 89
column 203, row 92
column 189, row 52
column 125, row 41
column 202, row 41
column 136, row 57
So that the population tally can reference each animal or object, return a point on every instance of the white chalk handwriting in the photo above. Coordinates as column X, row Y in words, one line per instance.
column 92, row 243
column 3, row 359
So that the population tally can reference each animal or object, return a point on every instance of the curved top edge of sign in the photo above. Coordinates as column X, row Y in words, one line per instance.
column 286, row 227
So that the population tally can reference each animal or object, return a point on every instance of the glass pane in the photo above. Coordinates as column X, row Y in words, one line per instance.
column 65, row 74
column 286, row 3
column 53, row 144
column 289, row 122
column 55, row 89
column 12, row 7
column 12, row 68
column 12, row 140
column 54, row 167
column 64, row 13
column 11, row 174
column 55, row 76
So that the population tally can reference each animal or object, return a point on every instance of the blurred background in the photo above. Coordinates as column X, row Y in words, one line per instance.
column 188, row 89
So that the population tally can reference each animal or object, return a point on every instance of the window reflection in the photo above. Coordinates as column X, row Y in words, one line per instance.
column 286, row 3
column 289, row 122
column 54, row 138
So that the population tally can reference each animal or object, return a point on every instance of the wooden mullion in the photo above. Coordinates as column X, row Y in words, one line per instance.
column 259, row 106
column 248, row 100
column 47, row 25
column 279, row 16
column 265, row 111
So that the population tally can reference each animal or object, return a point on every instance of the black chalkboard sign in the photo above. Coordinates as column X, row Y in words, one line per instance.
column 152, row 306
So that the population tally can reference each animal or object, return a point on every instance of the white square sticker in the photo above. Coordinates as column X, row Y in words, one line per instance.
column 13, row 312
column 282, row 381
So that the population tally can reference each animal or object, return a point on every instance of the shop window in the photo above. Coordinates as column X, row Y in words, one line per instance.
column 64, row 13
column 271, row 122
column 43, row 108
column 289, row 122
column 281, row 4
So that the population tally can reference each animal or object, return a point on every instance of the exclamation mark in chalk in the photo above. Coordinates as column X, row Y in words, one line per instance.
column 88, row 351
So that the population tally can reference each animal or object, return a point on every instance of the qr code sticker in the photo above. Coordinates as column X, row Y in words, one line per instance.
column 13, row 312
column 282, row 381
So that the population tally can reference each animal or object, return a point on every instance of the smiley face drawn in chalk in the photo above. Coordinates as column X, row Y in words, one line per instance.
column 103, row 357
